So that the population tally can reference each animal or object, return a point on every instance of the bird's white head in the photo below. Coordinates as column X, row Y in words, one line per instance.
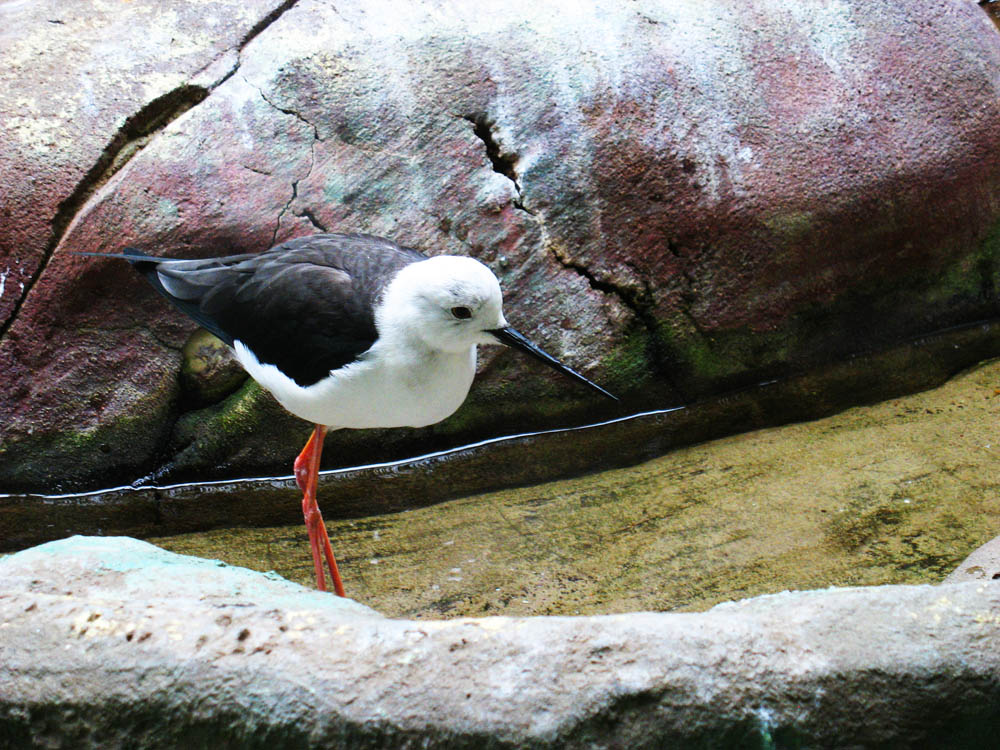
column 447, row 302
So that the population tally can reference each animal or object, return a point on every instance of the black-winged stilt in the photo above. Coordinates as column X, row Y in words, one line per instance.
column 347, row 331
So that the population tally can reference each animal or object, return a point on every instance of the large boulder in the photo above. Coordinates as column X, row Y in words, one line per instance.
column 114, row 643
column 678, row 202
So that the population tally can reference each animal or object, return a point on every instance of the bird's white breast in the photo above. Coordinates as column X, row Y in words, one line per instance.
column 386, row 387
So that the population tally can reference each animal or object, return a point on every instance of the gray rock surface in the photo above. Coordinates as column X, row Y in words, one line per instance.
column 982, row 565
column 110, row 642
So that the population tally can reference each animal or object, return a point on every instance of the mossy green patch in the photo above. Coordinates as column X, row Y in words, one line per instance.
column 880, row 313
column 108, row 452
column 628, row 365
column 970, row 276
column 790, row 227
column 248, row 428
column 706, row 361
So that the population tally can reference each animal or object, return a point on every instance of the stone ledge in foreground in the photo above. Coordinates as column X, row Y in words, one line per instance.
column 111, row 642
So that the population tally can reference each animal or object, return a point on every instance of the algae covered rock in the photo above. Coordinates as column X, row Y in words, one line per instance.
column 248, row 431
column 209, row 371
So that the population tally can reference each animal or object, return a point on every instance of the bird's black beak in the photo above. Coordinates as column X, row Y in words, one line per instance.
column 512, row 338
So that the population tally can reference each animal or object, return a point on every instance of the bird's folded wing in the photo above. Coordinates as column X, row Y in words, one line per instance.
column 306, row 306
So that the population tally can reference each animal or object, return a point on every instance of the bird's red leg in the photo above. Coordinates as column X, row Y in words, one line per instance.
column 304, row 478
column 307, row 477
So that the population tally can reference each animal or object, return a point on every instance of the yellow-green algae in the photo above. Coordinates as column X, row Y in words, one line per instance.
column 898, row 492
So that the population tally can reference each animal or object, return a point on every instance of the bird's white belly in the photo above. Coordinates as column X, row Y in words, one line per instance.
column 377, row 391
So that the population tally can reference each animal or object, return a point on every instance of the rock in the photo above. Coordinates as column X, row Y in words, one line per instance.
column 93, row 568
column 209, row 370
column 113, row 643
column 982, row 565
column 86, row 87
column 678, row 202
column 247, row 431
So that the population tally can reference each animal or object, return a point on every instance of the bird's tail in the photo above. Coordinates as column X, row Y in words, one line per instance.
column 136, row 257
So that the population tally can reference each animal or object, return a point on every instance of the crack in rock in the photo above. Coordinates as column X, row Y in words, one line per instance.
column 133, row 135
column 284, row 210
column 503, row 163
column 640, row 304
column 312, row 160
column 292, row 112
column 311, row 218
column 252, row 34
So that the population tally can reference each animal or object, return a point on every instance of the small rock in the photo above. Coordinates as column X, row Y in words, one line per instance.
column 982, row 565
column 209, row 371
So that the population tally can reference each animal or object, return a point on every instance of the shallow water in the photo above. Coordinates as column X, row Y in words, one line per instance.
column 897, row 492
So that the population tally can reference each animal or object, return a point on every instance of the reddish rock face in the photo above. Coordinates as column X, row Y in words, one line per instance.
column 84, row 87
column 676, row 202
column 79, row 82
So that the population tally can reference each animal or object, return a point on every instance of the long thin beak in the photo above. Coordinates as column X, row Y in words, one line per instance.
column 516, row 340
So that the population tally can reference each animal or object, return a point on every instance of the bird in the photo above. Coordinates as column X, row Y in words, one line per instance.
column 346, row 331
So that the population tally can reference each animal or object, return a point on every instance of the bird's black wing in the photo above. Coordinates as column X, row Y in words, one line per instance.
column 306, row 306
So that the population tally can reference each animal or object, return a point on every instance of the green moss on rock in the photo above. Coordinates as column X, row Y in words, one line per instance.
column 627, row 366
column 111, row 451
column 248, row 429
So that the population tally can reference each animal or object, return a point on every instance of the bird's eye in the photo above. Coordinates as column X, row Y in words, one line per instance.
column 462, row 313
